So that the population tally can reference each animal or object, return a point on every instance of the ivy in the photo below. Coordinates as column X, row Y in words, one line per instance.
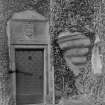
column 72, row 15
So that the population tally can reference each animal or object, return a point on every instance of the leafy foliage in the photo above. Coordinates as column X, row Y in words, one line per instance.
column 72, row 15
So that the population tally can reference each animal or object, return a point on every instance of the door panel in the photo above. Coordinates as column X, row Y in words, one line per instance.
column 29, row 76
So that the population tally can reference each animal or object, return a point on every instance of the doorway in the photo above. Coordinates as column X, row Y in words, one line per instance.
column 29, row 76
column 29, row 69
column 29, row 57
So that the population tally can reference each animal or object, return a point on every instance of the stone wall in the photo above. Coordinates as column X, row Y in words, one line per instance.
column 4, row 78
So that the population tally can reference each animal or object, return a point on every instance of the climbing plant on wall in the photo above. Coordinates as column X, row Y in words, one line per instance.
column 72, row 15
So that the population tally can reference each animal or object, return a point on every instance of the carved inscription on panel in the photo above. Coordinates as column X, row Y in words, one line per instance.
column 28, row 29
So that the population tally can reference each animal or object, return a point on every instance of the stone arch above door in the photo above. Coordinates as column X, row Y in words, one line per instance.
column 29, row 15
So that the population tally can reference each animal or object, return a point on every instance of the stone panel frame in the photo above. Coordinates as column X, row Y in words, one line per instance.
column 13, row 66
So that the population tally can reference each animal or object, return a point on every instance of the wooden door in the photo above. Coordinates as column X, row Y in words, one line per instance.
column 29, row 76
